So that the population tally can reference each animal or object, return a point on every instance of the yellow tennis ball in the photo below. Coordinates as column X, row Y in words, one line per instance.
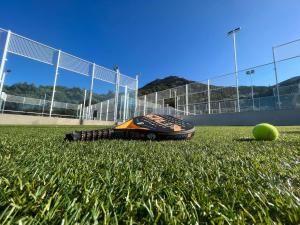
column 265, row 132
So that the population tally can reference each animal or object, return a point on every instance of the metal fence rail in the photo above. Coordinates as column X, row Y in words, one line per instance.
column 28, row 105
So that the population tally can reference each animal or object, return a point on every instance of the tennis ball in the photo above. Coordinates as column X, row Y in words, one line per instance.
column 265, row 132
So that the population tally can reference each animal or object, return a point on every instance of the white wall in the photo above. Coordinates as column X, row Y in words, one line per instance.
column 279, row 118
column 10, row 119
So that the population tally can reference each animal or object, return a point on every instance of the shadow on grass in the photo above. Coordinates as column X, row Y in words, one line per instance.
column 245, row 139
column 291, row 132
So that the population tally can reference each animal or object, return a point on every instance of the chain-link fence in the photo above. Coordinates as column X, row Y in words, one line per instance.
column 272, row 86
column 13, row 44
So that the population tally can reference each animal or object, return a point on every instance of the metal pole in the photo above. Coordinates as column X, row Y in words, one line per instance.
column 2, row 83
column 44, row 102
column 24, row 98
column 55, row 79
column 145, row 103
column 234, row 106
column 83, row 107
column 236, row 73
column 177, row 105
column 91, row 89
column 187, row 99
column 252, row 92
column 175, row 96
column 117, row 94
column 80, row 112
column 125, row 104
column 208, row 95
column 77, row 110
column 136, row 95
column 276, row 78
column 156, row 102
column 4, row 55
column 3, row 106
column 100, row 117
column 107, row 106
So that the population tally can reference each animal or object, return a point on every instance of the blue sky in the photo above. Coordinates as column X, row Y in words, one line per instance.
column 155, row 38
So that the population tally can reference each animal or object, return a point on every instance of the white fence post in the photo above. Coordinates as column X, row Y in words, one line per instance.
column 208, row 95
column 80, row 111
column 187, row 99
column 44, row 102
column 145, row 104
column 276, row 78
column 55, row 80
column 91, row 90
column 136, row 95
column 24, row 99
column 175, row 102
column 234, row 106
column 2, row 82
column 83, row 107
column 100, row 117
column 107, row 107
column 156, row 102
column 117, row 94
column 125, row 104
column 4, row 59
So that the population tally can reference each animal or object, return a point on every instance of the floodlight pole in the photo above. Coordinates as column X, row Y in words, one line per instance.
column 117, row 94
column 276, row 78
column 91, row 90
column 233, row 33
column 55, row 80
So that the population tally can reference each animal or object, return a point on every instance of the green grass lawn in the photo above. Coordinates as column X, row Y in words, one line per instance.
column 221, row 176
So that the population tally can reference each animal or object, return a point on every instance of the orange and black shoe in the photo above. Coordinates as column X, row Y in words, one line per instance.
column 149, row 127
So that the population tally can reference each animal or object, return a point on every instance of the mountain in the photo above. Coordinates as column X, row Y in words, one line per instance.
column 163, row 84
column 225, row 92
column 75, row 95
column 63, row 94
column 291, row 81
